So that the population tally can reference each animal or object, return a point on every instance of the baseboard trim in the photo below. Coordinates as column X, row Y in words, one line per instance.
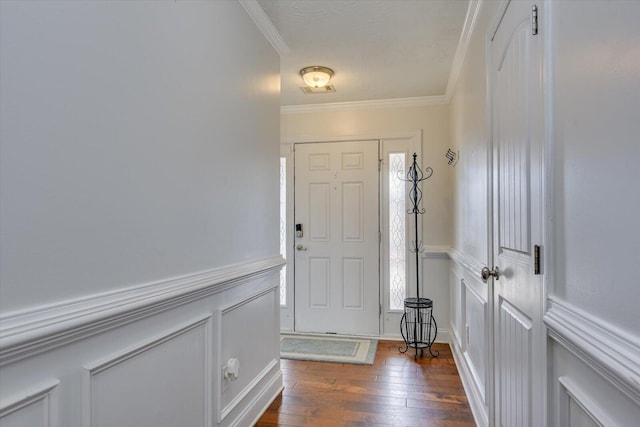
column 611, row 352
column 261, row 402
column 29, row 332
column 478, row 408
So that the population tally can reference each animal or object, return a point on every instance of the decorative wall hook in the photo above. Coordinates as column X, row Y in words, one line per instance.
column 452, row 156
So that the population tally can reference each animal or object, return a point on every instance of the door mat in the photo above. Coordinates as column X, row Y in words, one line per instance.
column 360, row 351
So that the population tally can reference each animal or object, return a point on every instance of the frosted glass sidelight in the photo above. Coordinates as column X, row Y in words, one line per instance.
column 397, row 232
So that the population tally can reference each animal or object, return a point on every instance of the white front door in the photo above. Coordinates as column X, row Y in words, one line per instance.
column 518, row 134
column 337, row 257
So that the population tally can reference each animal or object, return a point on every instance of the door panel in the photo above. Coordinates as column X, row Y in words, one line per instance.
column 337, row 263
column 515, row 344
column 517, row 190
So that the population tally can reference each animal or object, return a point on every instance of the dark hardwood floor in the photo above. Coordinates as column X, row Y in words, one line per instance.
column 395, row 391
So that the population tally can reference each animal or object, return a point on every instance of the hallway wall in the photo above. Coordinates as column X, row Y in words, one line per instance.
column 591, row 247
column 470, row 297
column 594, row 238
column 139, row 156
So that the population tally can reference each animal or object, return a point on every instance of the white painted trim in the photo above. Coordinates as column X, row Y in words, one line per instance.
column 245, row 391
column 417, row 101
column 610, row 351
column 436, row 252
column 443, row 337
column 470, row 264
column 463, row 46
column 478, row 408
column 590, row 407
column 94, row 368
column 30, row 396
column 33, row 331
column 230, row 307
column 473, row 374
column 223, row 412
column 480, row 296
column 415, row 135
column 265, row 25
column 461, row 306
column 482, row 299
column 101, row 365
column 268, row 395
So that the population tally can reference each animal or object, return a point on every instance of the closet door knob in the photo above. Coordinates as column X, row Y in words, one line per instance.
column 486, row 273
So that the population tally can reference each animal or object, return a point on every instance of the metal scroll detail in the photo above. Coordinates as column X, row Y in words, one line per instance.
column 417, row 326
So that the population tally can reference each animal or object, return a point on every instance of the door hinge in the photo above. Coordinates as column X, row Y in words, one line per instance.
column 534, row 20
column 536, row 259
column 379, row 237
column 379, row 165
column 379, row 309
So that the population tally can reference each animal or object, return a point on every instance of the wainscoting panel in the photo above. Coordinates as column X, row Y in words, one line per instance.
column 476, row 345
column 471, row 331
column 162, row 382
column 457, row 312
column 148, row 355
column 246, row 334
column 514, row 340
column 578, row 409
column 36, row 407
column 593, row 370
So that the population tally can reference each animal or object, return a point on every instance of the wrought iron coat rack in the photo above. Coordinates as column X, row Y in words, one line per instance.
column 417, row 326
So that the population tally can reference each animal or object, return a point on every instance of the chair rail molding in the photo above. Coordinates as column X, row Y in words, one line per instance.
column 470, row 264
column 33, row 331
column 610, row 351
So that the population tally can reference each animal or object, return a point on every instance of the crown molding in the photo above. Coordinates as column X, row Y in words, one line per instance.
column 265, row 25
column 463, row 46
column 418, row 101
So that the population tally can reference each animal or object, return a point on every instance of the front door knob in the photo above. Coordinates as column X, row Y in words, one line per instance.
column 301, row 248
column 486, row 273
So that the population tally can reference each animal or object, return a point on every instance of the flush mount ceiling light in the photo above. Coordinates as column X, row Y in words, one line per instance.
column 317, row 79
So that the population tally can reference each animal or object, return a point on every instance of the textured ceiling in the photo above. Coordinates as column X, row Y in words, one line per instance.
column 379, row 49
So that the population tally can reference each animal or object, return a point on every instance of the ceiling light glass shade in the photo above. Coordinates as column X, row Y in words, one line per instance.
column 316, row 76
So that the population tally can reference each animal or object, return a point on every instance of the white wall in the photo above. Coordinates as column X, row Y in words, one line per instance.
column 138, row 141
column 138, row 213
column 469, row 122
column 592, row 247
column 593, row 312
column 596, row 138
column 380, row 123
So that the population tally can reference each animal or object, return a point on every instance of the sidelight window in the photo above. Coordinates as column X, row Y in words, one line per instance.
column 397, row 232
